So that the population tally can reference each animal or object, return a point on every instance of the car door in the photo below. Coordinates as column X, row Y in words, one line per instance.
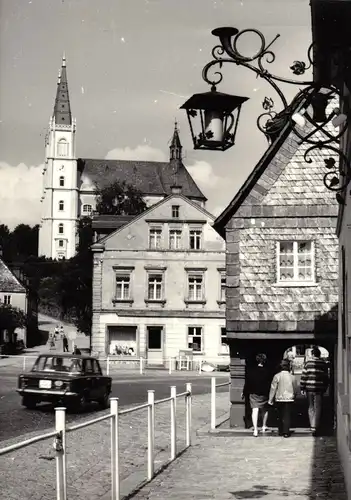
column 99, row 379
column 89, row 378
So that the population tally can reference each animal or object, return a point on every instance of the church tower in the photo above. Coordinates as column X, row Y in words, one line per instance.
column 57, row 234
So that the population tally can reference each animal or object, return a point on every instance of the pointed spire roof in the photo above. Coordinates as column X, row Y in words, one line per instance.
column 62, row 108
column 176, row 146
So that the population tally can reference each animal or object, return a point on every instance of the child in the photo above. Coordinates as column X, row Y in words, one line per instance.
column 283, row 391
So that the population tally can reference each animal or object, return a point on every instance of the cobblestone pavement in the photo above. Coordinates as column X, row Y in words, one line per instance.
column 221, row 468
column 29, row 473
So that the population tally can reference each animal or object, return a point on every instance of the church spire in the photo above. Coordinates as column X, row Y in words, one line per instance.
column 62, row 108
column 176, row 146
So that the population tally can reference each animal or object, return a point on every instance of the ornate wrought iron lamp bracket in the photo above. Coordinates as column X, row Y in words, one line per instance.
column 312, row 95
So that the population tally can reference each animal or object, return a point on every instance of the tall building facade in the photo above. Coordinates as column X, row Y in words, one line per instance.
column 69, row 182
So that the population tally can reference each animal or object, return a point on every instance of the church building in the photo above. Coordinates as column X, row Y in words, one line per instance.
column 69, row 182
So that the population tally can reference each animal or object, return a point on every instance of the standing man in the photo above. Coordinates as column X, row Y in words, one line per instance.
column 65, row 343
column 314, row 382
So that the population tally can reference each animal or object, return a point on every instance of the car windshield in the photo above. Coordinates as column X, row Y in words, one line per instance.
column 57, row 364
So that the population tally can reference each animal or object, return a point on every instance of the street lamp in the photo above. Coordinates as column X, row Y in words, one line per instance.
column 219, row 115
column 308, row 114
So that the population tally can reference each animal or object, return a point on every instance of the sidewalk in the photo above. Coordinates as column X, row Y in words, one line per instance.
column 223, row 468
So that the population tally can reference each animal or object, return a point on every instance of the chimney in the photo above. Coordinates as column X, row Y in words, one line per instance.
column 175, row 189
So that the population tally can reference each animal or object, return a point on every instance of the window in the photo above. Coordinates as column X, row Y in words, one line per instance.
column 295, row 262
column 223, row 287
column 62, row 148
column 175, row 211
column 195, row 287
column 87, row 209
column 60, row 243
column 61, row 205
column 61, row 181
column 195, row 239
column 60, row 228
column 223, row 335
column 123, row 287
column 175, row 237
column 155, row 286
column 7, row 300
column 155, row 238
column 195, row 338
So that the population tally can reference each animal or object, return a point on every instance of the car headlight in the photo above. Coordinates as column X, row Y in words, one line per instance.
column 58, row 383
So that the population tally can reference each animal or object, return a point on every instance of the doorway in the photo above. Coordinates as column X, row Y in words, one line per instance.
column 154, row 344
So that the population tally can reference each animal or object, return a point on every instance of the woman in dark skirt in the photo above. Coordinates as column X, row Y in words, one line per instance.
column 257, row 386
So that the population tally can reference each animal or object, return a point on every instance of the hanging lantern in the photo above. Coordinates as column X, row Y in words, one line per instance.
column 213, row 118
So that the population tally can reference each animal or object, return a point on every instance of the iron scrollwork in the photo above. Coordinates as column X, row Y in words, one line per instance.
column 271, row 122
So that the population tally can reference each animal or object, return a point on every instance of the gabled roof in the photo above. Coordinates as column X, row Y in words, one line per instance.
column 8, row 281
column 151, row 209
column 150, row 177
column 281, row 177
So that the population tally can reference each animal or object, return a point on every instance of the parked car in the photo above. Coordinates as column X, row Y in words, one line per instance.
column 67, row 379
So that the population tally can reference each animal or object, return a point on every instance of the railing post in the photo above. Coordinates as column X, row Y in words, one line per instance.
column 24, row 363
column 173, row 423
column 170, row 366
column 188, row 414
column 213, row 403
column 200, row 366
column 60, row 447
column 115, row 493
column 151, row 435
column 108, row 365
column 141, row 365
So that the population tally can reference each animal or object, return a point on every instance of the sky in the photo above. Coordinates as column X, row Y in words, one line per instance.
column 131, row 64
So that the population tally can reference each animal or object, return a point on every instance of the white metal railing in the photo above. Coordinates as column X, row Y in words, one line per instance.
column 214, row 387
column 172, row 364
column 61, row 431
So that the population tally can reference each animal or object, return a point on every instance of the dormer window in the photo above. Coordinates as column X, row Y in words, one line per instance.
column 62, row 147
column 87, row 209
column 175, row 211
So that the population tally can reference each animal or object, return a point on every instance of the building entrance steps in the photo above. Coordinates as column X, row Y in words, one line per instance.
column 236, row 467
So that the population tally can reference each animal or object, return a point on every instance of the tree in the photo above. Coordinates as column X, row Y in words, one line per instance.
column 11, row 318
column 24, row 241
column 119, row 198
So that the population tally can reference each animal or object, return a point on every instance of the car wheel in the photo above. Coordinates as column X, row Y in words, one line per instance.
column 29, row 402
column 104, row 402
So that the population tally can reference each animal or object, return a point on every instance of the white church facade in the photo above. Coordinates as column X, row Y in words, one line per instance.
column 69, row 182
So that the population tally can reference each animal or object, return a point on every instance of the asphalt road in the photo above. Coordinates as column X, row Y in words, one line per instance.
column 16, row 420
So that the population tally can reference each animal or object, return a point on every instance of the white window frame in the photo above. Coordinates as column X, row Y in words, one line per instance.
column 7, row 300
column 295, row 281
column 124, row 278
column 197, row 238
column 61, row 228
column 61, row 203
column 175, row 211
column 155, row 238
column 87, row 209
column 156, row 280
column 195, row 331
column 192, row 295
column 222, row 288
column 62, row 181
column 175, row 235
column 62, row 148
